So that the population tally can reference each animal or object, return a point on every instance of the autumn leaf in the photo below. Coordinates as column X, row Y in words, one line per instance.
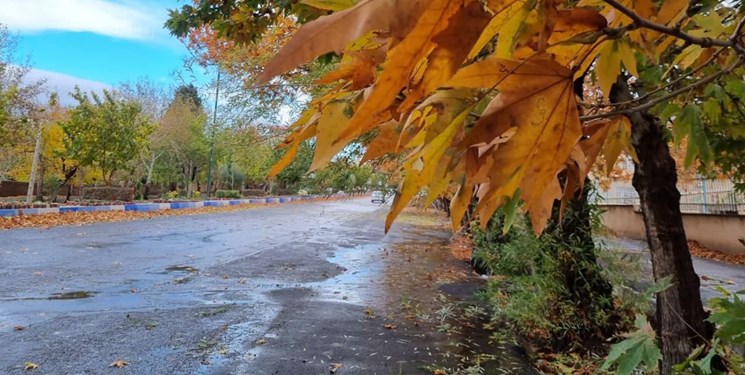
column 537, row 99
column 334, row 367
column 452, row 47
column 385, row 142
column 390, row 326
column 401, row 62
column 261, row 341
column 442, row 115
column 19, row 328
column 439, row 372
column 503, row 11
column 617, row 140
column 118, row 363
column 30, row 366
column 332, row 33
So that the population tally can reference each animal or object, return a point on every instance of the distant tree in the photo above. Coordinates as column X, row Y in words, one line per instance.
column 183, row 130
column 190, row 93
column 16, row 105
column 105, row 132
column 155, row 101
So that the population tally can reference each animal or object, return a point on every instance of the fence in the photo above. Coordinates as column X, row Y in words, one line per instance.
column 699, row 196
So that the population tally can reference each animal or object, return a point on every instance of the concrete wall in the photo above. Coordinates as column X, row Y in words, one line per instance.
column 717, row 232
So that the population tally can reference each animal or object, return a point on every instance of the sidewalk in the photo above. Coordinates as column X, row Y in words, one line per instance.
column 712, row 273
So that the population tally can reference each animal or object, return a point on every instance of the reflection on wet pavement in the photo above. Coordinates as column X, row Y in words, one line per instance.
column 283, row 290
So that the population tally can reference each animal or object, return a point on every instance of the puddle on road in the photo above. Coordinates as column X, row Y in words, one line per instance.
column 80, row 294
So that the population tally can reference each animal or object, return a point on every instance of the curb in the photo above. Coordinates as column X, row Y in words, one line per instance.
column 147, row 207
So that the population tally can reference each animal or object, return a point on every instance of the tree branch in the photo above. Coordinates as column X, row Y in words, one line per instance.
column 674, row 82
column 643, row 22
column 663, row 98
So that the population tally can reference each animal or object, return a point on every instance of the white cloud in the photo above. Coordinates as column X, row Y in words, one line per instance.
column 63, row 84
column 120, row 19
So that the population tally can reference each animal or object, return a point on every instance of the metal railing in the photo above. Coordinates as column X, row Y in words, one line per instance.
column 701, row 196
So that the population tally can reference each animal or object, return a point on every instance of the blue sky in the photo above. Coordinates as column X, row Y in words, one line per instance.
column 94, row 43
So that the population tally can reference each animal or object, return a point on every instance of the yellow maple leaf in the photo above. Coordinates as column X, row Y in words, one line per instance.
column 503, row 11
column 610, row 56
column 332, row 33
column 401, row 62
column 385, row 142
column 452, row 47
column 450, row 108
column 537, row 99
column 617, row 140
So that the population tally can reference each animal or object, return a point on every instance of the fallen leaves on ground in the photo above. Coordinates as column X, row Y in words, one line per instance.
column 390, row 326
column 439, row 372
column 45, row 221
column 461, row 247
column 334, row 367
column 260, row 341
column 118, row 363
column 30, row 366
column 19, row 328
column 701, row 251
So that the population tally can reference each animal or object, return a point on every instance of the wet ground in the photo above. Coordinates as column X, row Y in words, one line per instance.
column 714, row 274
column 299, row 289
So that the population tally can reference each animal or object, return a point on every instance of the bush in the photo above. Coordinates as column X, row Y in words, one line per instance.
column 171, row 195
column 196, row 194
column 548, row 289
column 228, row 194
column 108, row 193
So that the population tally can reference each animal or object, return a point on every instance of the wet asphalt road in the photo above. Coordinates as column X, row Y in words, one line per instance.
column 714, row 274
column 293, row 289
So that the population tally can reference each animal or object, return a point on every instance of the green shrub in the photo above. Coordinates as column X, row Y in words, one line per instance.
column 196, row 194
column 547, row 289
column 228, row 194
column 172, row 194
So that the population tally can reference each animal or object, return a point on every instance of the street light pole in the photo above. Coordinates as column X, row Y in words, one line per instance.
column 212, row 137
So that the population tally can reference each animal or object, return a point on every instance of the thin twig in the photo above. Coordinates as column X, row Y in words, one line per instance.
column 663, row 98
column 645, row 23
column 676, row 81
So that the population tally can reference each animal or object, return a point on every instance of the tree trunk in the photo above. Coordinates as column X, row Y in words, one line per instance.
column 34, row 164
column 680, row 313
column 40, row 179
column 149, row 180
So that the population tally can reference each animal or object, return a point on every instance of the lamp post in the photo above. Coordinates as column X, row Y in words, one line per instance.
column 212, row 137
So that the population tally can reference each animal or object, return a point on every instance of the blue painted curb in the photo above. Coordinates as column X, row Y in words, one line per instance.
column 147, row 207
column 8, row 212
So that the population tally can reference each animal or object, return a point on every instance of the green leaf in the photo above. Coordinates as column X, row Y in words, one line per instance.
column 735, row 87
column 668, row 110
column 713, row 90
column 638, row 349
column 689, row 125
column 510, row 211
column 712, row 110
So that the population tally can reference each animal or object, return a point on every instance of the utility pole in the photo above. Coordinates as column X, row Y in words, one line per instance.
column 212, row 136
